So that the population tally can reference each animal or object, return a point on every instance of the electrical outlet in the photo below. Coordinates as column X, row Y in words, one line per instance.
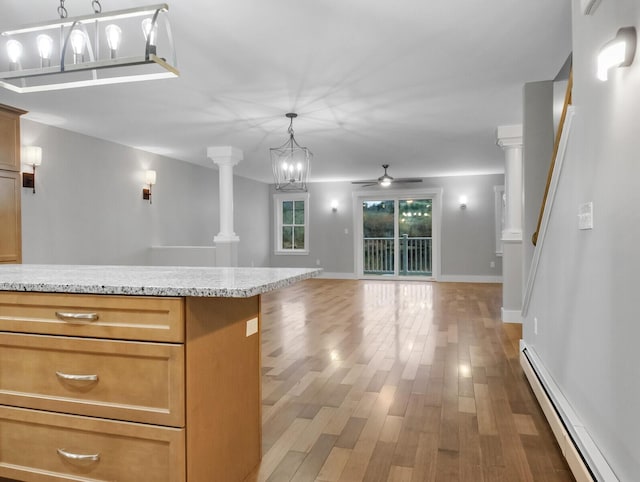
column 252, row 326
column 585, row 216
column 535, row 325
column 317, row 262
column 492, row 264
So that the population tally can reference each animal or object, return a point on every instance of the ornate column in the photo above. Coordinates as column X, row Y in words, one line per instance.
column 226, row 242
column 509, row 138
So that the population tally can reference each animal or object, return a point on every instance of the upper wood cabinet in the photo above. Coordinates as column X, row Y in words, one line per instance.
column 10, row 218
column 10, row 137
column 10, row 213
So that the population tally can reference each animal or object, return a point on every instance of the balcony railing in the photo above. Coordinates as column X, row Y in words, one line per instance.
column 414, row 253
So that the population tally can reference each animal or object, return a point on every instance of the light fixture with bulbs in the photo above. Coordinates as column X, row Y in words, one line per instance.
column 618, row 52
column 290, row 162
column 98, row 49
column 149, row 180
column 334, row 206
column 463, row 200
column 31, row 156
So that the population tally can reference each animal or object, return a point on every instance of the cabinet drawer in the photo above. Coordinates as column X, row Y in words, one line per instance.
column 96, row 316
column 122, row 380
column 30, row 441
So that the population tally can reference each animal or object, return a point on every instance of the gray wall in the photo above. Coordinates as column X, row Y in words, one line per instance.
column 88, row 206
column 538, row 132
column 585, row 297
column 328, row 242
column 468, row 239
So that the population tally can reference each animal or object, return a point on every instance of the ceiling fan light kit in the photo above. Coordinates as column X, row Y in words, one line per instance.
column 386, row 180
column 290, row 162
column 98, row 49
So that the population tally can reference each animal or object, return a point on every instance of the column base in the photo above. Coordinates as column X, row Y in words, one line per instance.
column 226, row 251
column 511, row 316
column 226, row 238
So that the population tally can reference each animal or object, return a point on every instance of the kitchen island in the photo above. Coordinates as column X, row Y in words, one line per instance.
column 132, row 373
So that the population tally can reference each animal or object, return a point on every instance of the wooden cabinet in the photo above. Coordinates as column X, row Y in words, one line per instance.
column 128, row 388
column 10, row 138
column 11, row 232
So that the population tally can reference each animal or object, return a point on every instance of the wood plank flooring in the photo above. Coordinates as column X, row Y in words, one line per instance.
column 397, row 381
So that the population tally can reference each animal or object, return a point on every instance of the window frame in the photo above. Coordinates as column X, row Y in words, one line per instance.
column 278, row 200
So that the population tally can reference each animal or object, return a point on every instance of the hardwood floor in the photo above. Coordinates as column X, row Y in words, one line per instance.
column 397, row 381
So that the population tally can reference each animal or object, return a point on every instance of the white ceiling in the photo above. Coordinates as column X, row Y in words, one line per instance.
column 418, row 84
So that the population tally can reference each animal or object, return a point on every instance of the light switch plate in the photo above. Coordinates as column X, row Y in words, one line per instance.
column 252, row 326
column 585, row 216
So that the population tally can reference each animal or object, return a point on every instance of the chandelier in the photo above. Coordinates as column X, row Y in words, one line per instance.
column 103, row 48
column 290, row 162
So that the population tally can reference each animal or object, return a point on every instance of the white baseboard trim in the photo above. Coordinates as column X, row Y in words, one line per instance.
column 583, row 456
column 462, row 278
column 326, row 275
column 442, row 278
column 511, row 316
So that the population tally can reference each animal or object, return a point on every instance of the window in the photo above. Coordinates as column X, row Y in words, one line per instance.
column 292, row 223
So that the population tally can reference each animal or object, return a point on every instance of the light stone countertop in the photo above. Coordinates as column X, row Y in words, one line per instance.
column 150, row 280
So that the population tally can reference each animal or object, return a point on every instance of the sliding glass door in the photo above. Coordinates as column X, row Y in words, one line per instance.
column 378, row 237
column 397, row 237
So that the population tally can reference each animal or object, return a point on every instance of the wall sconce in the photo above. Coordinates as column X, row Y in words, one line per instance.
column 618, row 52
column 334, row 206
column 32, row 156
column 463, row 202
column 150, row 180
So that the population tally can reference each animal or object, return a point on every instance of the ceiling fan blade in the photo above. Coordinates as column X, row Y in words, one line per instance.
column 372, row 181
column 408, row 179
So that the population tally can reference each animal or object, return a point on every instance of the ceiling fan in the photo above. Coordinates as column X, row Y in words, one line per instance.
column 386, row 180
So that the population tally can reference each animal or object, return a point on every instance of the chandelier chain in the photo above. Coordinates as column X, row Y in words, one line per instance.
column 97, row 7
column 290, row 130
column 62, row 11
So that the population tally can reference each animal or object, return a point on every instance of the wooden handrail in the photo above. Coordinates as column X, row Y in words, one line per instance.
column 567, row 103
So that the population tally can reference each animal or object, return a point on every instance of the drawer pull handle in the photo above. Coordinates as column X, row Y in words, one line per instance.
column 78, row 318
column 77, row 378
column 78, row 457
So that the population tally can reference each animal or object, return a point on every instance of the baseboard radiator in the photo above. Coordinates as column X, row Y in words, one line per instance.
column 582, row 455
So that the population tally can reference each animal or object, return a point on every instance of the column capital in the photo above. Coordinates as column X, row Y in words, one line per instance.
column 225, row 155
column 509, row 136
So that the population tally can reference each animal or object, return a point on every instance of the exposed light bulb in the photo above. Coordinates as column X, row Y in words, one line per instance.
column 299, row 166
column 150, row 30
column 78, row 40
column 45, row 48
column 114, row 38
column 14, row 50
